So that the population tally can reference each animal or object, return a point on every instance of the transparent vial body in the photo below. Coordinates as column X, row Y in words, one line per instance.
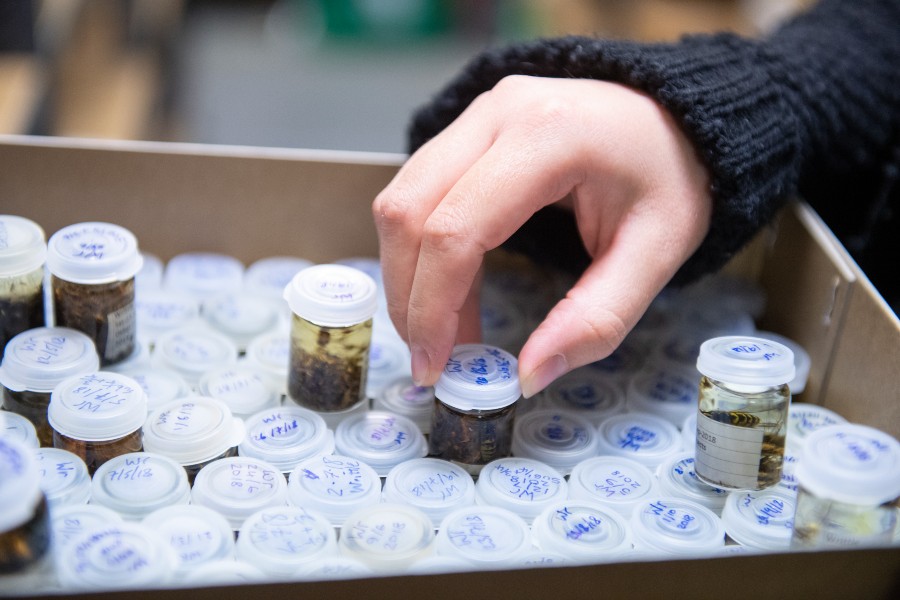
column 95, row 453
column 328, row 365
column 26, row 544
column 21, row 304
column 32, row 406
column 741, row 433
column 471, row 438
column 104, row 312
column 825, row 523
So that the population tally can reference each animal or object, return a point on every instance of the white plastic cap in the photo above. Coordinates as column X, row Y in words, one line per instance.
column 161, row 311
column 522, row 485
column 286, row 436
column 64, row 477
column 161, row 385
column 479, row 377
column 332, row 295
column 38, row 359
column 802, row 361
column 93, row 253
column 70, row 521
column 280, row 539
column 331, row 568
column 192, row 430
column 805, row 418
column 746, row 360
column 487, row 536
column 589, row 391
column 387, row 537
column 555, row 437
column 193, row 351
column 670, row 525
column 404, row 397
column 271, row 352
column 677, row 477
column 582, row 530
column 269, row 276
column 151, row 273
column 614, row 481
column 643, row 437
column 137, row 483
column 334, row 485
column 20, row 484
column 223, row 572
column 242, row 316
column 850, row 463
column 15, row 426
column 389, row 360
column 243, row 388
column 666, row 393
column 198, row 534
column 22, row 246
column 97, row 407
column 380, row 439
column 239, row 486
column 202, row 274
column 435, row 486
column 763, row 519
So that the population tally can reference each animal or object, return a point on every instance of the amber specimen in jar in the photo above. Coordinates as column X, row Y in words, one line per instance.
column 471, row 437
column 21, row 305
column 26, row 544
column 94, row 453
column 32, row 406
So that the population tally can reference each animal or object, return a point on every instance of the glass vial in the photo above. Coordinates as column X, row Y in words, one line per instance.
column 331, row 333
column 743, row 412
column 849, row 478
column 22, row 254
column 474, row 407
column 24, row 516
column 93, row 267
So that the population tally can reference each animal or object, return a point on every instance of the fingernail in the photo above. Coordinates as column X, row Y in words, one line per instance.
column 419, row 364
column 547, row 372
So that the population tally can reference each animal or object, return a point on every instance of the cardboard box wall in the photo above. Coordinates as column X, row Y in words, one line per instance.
column 259, row 202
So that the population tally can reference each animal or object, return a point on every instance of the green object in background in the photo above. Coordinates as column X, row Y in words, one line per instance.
column 385, row 20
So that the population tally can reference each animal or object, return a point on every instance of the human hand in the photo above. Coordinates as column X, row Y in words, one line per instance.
column 638, row 190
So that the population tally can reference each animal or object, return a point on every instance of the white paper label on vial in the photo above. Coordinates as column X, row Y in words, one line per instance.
column 121, row 332
column 728, row 455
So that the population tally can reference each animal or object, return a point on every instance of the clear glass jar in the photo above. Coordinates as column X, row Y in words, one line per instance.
column 474, row 407
column 849, row 487
column 93, row 267
column 331, row 334
column 22, row 254
column 24, row 516
column 743, row 412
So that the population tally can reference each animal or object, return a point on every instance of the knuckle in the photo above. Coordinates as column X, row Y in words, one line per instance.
column 447, row 230
column 393, row 208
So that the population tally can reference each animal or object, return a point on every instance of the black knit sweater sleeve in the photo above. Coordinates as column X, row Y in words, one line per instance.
column 818, row 98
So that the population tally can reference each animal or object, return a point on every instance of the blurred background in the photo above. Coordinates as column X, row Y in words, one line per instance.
column 326, row 74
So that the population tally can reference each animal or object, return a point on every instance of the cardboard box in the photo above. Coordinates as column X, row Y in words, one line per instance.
column 258, row 202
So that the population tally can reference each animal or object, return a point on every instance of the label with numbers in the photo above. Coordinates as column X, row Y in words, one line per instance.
column 728, row 456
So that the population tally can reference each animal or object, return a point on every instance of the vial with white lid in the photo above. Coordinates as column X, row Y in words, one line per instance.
column 237, row 487
column 197, row 534
column 677, row 477
column 589, row 392
column 646, row 438
column 22, row 255
column 242, row 316
column 334, row 486
column 34, row 362
column 331, row 568
column 161, row 311
column 136, row 484
column 98, row 416
column 15, row 426
column 64, row 477
column 615, row 481
column 489, row 537
column 380, row 439
column 24, row 516
column 389, row 360
column 387, row 538
column 805, row 418
column 556, row 437
column 802, row 361
column 193, row 431
column 69, row 521
column 243, row 388
column 475, row 405
column 403, row 397
column 436, row 487
column 227, row 572
column 269, row 276
column 743, row 411
column 667, row 526
column 762, row 520
column 522, row 485
column 161, row 385
column 203, row 274
column 666, row 393
column 279, row 540
column 93, row 266
column 271, row 353
column 582, row 531
column 116, row 556
column 331, row 333
column 849, row 478
column 193, row 351
column 150, row 275
column 286, row 436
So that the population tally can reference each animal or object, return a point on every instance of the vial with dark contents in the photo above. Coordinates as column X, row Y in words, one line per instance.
column 743, row 411
column 24, row 516
column 98, row 416
column 331, row 333
column 22, row 254
column 34, row 362
column 849, row 489
column 93, row 266
column 474, row 407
